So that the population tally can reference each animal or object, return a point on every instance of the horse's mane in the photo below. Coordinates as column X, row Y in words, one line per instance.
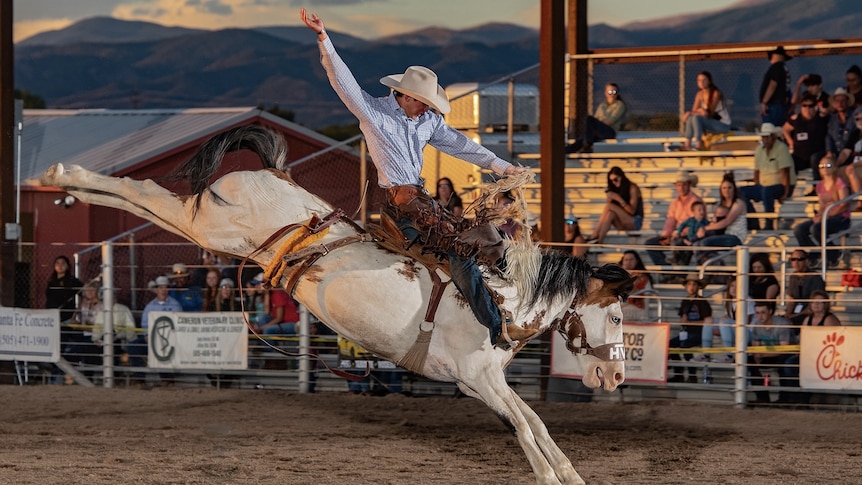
column 268, row 145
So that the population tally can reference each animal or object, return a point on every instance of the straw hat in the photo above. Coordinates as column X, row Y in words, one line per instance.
column 694, row 277
column 179, row 270
column 684, row 176
column 768, row 129
column 421, row 83
column 851, row 100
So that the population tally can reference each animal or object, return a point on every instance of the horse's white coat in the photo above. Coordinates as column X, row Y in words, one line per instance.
column 374, row 297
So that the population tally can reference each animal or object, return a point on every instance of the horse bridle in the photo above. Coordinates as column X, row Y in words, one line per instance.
column 571, row 327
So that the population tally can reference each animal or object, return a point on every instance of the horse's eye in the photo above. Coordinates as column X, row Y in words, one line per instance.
column 617, row 320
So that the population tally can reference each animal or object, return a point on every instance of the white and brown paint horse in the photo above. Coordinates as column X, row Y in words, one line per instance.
column 375, row 297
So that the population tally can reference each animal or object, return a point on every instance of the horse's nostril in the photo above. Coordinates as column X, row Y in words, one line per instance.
column 618, row 376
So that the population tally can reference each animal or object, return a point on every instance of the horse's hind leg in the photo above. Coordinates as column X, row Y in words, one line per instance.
column 555, row 456
column 498, row 396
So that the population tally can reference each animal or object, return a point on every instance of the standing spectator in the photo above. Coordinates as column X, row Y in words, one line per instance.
column 708, row 113
column 636, row 308
column 762, row 283
column 801, row 283
column 850, row 157
column 814, row 86
column 448, row 198
column 211, row 290
column 730, row 225
column 841, row 121
column 139, row 347
column 805, row 133
column 608, row 120
column 693, row 310
column 830, row 189
column 679, row 210
column 774, row 90
column 768, row 330
column 774, row 176
column 624, row 209
column 62, row 289
column 188, row 296
column 853, row 76
column 573, row 237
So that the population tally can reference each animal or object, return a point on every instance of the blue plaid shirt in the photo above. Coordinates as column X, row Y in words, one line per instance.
column 394, row 140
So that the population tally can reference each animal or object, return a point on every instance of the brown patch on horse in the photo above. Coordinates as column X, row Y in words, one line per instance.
column 602, row 293
column 314, row 274
column 282, row 175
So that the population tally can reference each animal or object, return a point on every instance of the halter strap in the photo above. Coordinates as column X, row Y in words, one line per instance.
column 571, row 327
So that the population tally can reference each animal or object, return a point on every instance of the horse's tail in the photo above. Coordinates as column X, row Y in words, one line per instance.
column 269, row 146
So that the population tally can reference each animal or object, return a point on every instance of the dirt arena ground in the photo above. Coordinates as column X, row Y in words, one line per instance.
column 69, row 434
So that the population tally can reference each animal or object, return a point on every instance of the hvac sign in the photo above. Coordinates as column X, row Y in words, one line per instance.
column 831, row 358
column 206, row 340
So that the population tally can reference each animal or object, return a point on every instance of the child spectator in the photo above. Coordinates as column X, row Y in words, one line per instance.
column 693, row 310
column 690, row 231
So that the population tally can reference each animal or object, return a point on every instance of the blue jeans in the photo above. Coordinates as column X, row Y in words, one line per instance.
column 758, row 193
column 725, row 328
column 468, row 278
column 723, row 240
column 808, row 233
column 693, row 340
column 283, row 328
column 697, row 125
column 656, row 255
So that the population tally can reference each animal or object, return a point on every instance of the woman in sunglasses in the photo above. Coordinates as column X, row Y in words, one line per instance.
column 605, row 124
column 624, row 208
column 831, row 188
column 708, row 113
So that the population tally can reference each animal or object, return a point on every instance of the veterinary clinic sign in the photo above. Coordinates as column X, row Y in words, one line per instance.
column 197, row 341
column 646, row 354
column 32, row 335
column 831, row 358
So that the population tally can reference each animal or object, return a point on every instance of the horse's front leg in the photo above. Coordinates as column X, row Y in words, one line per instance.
column 558, row 460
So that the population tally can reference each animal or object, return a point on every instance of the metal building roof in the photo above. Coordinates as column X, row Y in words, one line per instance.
column 107, row 141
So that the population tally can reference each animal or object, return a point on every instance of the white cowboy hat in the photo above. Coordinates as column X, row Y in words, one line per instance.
column 768, row 129
column 421, row 83
column 179, row 270
column 160, row 281
column 851, row 100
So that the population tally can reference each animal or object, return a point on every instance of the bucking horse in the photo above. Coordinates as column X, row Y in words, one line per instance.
column 378, row 297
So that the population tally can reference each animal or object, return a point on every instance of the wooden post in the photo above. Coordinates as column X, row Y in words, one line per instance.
column 7, row 155
column 552, row 164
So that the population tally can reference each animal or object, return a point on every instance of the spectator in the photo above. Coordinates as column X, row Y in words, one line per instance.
column 679, row 211
column 854, row 85
column 726, row 328
column 800, row 285
column 850, row 157
column 768, row 330
column 841, row 121
column 62, row 289
column 708, row 113
column 226, row 299
column 806, row 135
column 624, row 209
column 211, row 290
column 448, row 198
column 774, row 176
column 608, row 120
column 163, row 302
column 813, row 86
column 690, row 231
column 188, row 296
column 572, row 231
column 124, row 327
column 762, row 283
column 636, row 308
column 819, row 314
column 208, row 262
column 774, row 90
column 79, row 346
column 829, row 190
column 511, row 228
column 730, row 225
column 693, row 310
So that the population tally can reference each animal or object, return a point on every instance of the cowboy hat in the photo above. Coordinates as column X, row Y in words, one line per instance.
column 179, row 270
column 160, row 281
column 694, row 277
column 768, row 129
column 686, row 177
column 226, row 282
column 421, row 83
column 779, row 50
column 851, row 100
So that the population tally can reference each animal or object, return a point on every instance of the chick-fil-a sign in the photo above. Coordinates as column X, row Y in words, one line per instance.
column 830, row 358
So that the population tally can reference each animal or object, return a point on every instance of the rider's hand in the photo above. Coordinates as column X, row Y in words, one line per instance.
column 515, row 170
column 313, row 22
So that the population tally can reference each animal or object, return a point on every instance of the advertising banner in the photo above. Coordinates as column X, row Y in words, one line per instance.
column 29, row 335
column 646, row 354
column 830, row 358
column 197, row 341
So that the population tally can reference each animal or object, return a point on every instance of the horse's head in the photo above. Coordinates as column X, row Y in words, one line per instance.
column 593, row 327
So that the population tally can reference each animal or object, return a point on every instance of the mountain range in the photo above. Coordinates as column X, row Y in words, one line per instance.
column 109, row 63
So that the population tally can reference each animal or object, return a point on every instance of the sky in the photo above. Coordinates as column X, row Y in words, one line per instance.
column 368, row 19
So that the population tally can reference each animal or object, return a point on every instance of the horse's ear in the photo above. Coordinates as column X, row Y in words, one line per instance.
column 623, row 288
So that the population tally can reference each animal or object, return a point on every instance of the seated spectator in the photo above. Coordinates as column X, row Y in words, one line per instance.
column 853, row 76
column 572, row 231
column 818, row 314
column 608, row 120
column 762, row 283
column 163, row 302
column 79, row 347
column 123, row 329
column 189, row 296
column 691, row 231
column 208, row 261
column 693, row 310
column 636, row 308
column 226, row 299
column 850, row 157
column 679, row 211
column 448, row 198
column 708, row 113
column 801, row 283
column 774, row 176
column 730, row 225
column 813, row 86
column 726, row 328
column 624, row 209
column 829, row 190
column 805, row 133
column 841, row 121
column 768, row 330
